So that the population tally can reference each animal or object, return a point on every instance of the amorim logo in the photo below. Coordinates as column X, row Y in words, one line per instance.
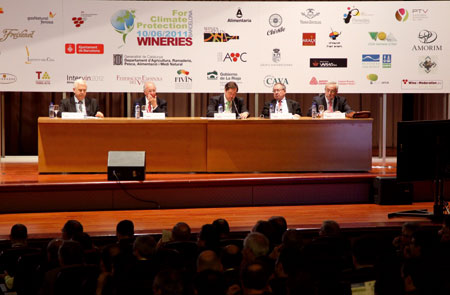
column 123, row 22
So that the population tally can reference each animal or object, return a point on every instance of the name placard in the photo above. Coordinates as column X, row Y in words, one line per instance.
column 153, row 116
column 225, row 116
column 72, row 115
column 281, row 116
column 335, row 115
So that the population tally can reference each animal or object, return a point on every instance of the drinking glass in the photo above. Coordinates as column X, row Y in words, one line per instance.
column 321, row 110
column 56, row 110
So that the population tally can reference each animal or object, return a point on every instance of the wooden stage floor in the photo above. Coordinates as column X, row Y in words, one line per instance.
column 15, row 176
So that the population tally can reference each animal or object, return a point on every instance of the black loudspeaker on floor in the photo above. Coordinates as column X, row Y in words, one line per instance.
column 387, row 191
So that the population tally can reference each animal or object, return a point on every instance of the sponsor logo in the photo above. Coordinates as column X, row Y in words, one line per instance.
column 309, row 16
column 148, row 60
column 370, row 60
column 315, row 81
column 43, row 78
column 275, row 20
column 428, row 64
column 427, row 38
column 137, row 80
column 6, row 78
column 309, row 39
column 232, row 57
column 71, row 48
column 421, row 84
column 218, row 37
column 276, row 55
column 88, row 78
column 123, row 22
column 77, row 21
column 346, row 82
column 213, row 75
column 327, row 62
column 15, row 34
column 374, row 80
column 30, row 60
column 239, row 18
column 387, row 61
column 419, row 14
column 382, row 39
column 355, row 16
column 401, row 15
column 43, row 20
column 1, row 10
column 270, row 80
column 182, row 80
column 334, row 43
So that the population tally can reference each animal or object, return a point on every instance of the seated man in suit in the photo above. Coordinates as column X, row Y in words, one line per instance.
column 281, row 103
column 79, row 103
column 331, row 101
column 229, row 101
column 150, row 102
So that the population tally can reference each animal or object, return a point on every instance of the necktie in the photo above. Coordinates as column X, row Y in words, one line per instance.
column 279, row 107
column 228, row 105
column 80, row 106
column 149, row 109
column 330, row 106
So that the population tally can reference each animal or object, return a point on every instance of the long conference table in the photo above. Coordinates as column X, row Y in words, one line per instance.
column 207, row 145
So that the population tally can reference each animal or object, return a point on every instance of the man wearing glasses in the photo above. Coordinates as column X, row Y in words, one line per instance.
column 280, row 104
column 331, row 101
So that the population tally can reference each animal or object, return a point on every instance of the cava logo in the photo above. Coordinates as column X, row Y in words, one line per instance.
column 43, row 78
column 232, row 57
column 218, row 37
column 428, row 64
column 309, row 39
column 401, row 15
column 6, row 78
column 15, row 34
column 212, row 75
column 123, row 22
column 270, row 80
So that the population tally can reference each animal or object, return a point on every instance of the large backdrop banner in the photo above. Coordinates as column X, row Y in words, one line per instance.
column 367, row 47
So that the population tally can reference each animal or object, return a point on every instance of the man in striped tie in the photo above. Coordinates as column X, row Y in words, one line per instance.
column 331, row 101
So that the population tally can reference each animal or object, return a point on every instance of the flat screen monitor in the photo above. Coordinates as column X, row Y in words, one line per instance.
column 423, row 150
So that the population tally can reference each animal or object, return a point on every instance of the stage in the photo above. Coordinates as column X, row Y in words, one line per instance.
column 44, row 202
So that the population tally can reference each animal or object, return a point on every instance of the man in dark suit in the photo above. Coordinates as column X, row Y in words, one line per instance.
column 229, row 102
column 281, row 104
column 331, row 101
column 79, row 103
column 150, row 102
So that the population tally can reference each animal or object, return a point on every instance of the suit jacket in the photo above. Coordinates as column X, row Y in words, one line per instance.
column 162, row 105
column 293, row 107
column 68, row 105
column 339, row 104
column 237, row 107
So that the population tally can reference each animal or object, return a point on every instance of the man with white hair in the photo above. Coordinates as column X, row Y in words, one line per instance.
column 331, row 101
column 150, row 102
column 79, row 103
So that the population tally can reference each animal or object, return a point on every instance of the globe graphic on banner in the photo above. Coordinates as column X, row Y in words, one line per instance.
column 123, row 22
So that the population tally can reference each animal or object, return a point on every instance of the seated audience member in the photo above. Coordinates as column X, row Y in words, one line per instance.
column 229, row 102
column 79, row 103
column 181, row 232
column 400, row 242
column 150, row 102
column 256, row 246
column 222, row 227
column 170, row 282
column 331, row 101
column 267, row 229
column 281, row 104
column 105, row 282
column 209, row 282
column 279, row 225
column 255, row 279
column 208, row 260
column 208, row 238
column 71, row 229
column 125, row 235
column 9, row 257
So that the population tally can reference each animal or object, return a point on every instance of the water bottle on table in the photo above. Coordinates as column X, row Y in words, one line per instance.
column 137, row 111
